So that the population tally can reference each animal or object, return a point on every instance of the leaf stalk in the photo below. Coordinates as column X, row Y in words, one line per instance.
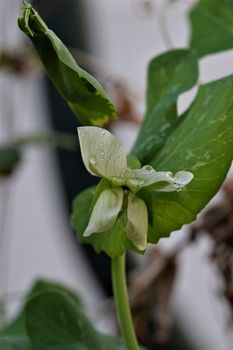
column 122, row 303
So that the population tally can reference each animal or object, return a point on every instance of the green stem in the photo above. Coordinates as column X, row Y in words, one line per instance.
column 57, row 139
column 122, row 302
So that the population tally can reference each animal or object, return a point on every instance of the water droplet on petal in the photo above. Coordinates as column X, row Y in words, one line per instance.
column 168, row 174
column 93, row 160
column 117, row 180
column 148, row 168
column 135, row 182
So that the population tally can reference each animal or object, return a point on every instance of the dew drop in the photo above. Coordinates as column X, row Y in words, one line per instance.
column 168, row 174
column 117, row 179
column 148, row 168
column 135, row 182
column 93, row 160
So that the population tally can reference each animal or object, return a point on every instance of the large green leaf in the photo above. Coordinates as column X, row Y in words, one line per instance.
column 9, row 158
column 169, row 75
column 15, row 332
column 81, row 91
column 15, row 327
column 14, row 343
column 202, row 144
column 45, row 286
column 211, row 26
column 55, row 322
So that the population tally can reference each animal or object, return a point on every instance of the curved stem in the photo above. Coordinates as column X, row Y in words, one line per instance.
column 58, row 139
column 122, row 302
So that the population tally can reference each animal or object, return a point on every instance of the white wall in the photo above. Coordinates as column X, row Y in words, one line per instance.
column 35, row 233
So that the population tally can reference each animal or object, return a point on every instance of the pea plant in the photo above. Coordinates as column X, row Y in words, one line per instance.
column 176, row 165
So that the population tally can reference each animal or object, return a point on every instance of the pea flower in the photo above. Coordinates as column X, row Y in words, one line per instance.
column 104, row 156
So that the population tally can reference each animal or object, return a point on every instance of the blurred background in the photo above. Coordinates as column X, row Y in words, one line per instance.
column 114, row 40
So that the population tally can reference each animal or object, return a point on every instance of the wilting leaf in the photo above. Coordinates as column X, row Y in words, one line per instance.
column 81, row 91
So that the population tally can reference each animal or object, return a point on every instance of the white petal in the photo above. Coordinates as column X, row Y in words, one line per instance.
column 146, row 176
column 137, row 225
column 105, row 211
column 162, row 180
column 180, row 180
column 103, row 154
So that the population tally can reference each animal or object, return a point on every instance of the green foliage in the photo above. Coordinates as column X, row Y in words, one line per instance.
column 202, row 144
column 211, row 26
column 169, row 75
column 200, row 141
column 133, row 162
column 54, row 321
column 16, row 327
column 81, row 91
column 9, row 158
column 53, row 318
column 14, row 343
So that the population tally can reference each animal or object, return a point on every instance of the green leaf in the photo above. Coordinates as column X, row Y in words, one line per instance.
column 55, row 322
column 202, row 144
column 82, row 92
column 211, row 26
column 51, row 306
column 114, row 241
column 45, row 286
column 133, row 162
column 14, row 343
column 169, row 75
column 9, row 158
column 16, row 328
